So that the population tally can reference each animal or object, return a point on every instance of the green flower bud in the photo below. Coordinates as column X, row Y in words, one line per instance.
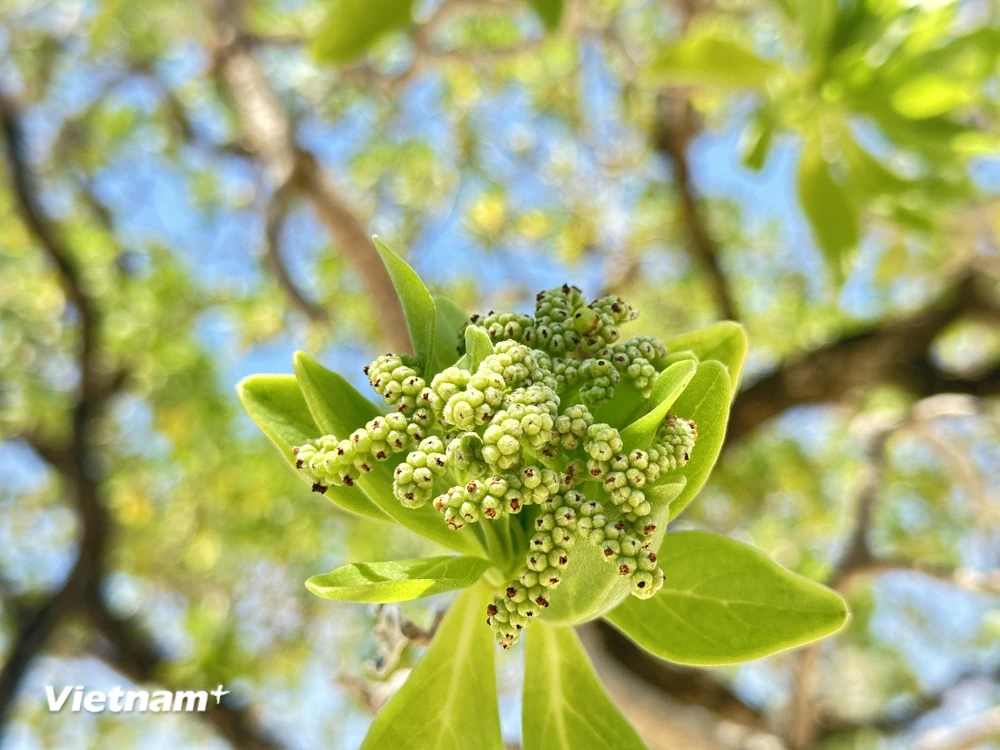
column 598, row 380
column 642, row 584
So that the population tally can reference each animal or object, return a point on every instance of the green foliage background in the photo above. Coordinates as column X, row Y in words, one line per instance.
column 823, row 171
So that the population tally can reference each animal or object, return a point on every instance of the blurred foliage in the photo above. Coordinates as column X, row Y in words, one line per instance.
column 844, row 153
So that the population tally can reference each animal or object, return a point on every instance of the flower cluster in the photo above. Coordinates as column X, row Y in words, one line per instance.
column 511, row 440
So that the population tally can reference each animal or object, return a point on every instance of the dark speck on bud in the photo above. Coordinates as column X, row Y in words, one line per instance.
column 623, row 570
column 320, row 488
column 299, row 463
column 295, row 451
column 491, row 609
column 511, row 592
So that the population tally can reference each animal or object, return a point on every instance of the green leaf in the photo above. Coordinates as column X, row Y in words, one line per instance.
column 725, row 602
column 565, row 706
column 418, row 305
column 666, row 388
column 353, row 26
column 702, row 58
column 826, row 205
column 336, row 410
column 400, row 581
column 706, row 401
column 930, row 95
column 755, row 141
column 725, row 342
column 339, row 409
column 449, row 701
column 550, row 11
column 449, row 319
column 276, row 404
column 477, row 345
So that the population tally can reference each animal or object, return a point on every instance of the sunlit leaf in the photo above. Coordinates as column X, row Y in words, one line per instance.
column 398, row 581
column 418, row 305
column 706, row 401
column 724, row 602
column 276, row 404
column 477, row 345
column 703, row 58
column 725, row 342
column 666, row 388
column 550, row 11
column 826, row 205
column 449, row 701
column 565, row 706
column 352, row 26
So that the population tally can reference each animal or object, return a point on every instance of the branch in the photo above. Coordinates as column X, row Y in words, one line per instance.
column 967, row 734
column 269, row 135
column 674, row 128
column 128, row 651
column 277, row 212
column 894, row 352
column 858, row 559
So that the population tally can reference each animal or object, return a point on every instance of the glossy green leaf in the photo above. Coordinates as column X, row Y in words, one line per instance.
column 725, row 602
column 828, row 208
column 666, row 388
column 398, row 581
column 339, row 409
column 449, row 319
column 706, row 401
column 418, row 305
column 353, row 26
column 276, row 404
column 725, row 342
column 565, row 707
column 550, row 11
column 704, row 58
column 449, row 701
column 477, row 345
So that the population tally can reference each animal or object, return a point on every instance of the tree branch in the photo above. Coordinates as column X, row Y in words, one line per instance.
column 81, row 593
column 274, row 220
column 893, row 352
column 675, row 127
column 269, row 135
column 128, row 651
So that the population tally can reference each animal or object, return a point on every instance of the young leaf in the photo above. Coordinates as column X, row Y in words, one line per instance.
column 275, row 403
column 400, row 581
column 725, row 342
column 449, row 319
column 477, row 345
column 706, row 401
column 565, row 705
column 336, row 411
column 352, row 26
column 702, row 58
column 550, row 11
column 418, row 305
column 827, row 206
column 339, row 409
column 449, row 701
column 725, row 602
column 666, row 388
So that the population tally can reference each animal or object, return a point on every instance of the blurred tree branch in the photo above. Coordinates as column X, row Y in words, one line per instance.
column 269, row 134
column 78, row 469
column 859, row 560
column 895, row 352
column 676, row 126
